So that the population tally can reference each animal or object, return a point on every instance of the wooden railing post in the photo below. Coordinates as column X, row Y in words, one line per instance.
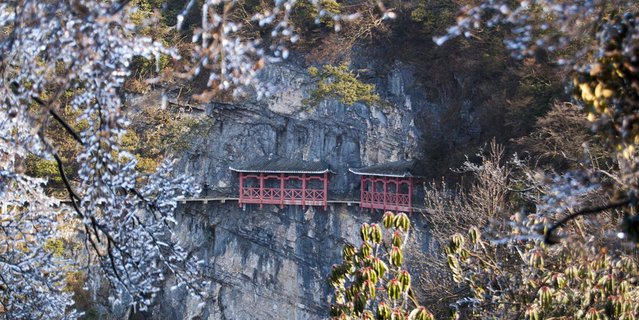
column 241, row 188
column 385, row 195
column 281, row 191
column 304, row 191
column 397, row 187
column 374, row 194
column 261, row 188
column 362, row 187
column 325, row 190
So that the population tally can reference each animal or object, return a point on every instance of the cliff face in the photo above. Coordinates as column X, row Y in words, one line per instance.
column 265, row 263
column 343, row 136
column 272, row 263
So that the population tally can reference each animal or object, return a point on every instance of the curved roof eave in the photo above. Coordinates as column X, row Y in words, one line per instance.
column 281, row 171
column 360, row 173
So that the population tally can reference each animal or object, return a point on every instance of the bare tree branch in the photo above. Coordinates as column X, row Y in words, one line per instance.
column 549, row 239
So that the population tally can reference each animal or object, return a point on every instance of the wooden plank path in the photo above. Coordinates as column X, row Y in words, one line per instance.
column 206, row 200
column 347, row 202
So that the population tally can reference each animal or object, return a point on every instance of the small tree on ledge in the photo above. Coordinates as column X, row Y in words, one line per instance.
column 371, row 283
column 337, row 82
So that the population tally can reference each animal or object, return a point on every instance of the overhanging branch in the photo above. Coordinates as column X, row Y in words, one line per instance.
column 66, row 126
column 57, row 117
column 588, row 211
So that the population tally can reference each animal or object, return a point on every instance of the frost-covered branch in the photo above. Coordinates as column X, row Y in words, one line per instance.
column 82, row 50
column 548, row 237
column 76, row 55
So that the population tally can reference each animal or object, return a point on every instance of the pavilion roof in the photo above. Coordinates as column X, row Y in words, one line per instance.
column 274, row 164
column 399, row 169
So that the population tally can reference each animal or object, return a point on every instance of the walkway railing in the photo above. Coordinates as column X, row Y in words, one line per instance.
column 284, row 195
column 385, row 201
column 304, row 197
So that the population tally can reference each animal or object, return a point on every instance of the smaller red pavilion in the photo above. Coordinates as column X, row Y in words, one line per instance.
column 387, row 186
column 274, row 180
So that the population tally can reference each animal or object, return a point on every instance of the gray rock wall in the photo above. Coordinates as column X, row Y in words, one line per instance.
column 272, row 263
column 343, row 136
column 265, row 263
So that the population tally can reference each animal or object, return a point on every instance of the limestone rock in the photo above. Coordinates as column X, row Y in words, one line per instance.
column 272, row 263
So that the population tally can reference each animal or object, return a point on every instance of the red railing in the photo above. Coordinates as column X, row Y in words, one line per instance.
column 276, row 194
column 384, row 193
column 381, row 198
column 387, row 199
column 282, row 195
column 311, row 197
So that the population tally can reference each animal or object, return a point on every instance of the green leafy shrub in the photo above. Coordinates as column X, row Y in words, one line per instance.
column 522, row 277
column 306, row 17
column 371, row 282
column 609, row 87
column 337, row 82
column 56, row 247
column 433, row 16
column 42, row 168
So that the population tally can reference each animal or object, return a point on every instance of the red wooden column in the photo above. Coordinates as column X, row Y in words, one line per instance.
column 372, row 194
column 410, row 196
column 325, row 190
column 241, row 188
column 304, row 191
column 385, row 183
column 261, row 188
column 362, row 182
column 380, row 192
column 281, row 191
column 397, row 190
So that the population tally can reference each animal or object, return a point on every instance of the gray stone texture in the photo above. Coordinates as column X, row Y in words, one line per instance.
column 272, row 263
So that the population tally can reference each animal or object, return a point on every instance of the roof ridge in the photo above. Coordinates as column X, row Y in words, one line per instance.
column 276, row 164
column 399, row 169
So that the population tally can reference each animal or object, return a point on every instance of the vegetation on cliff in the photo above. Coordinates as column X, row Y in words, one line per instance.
column 555, row 239
column 529, row 239
column 63, row 73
